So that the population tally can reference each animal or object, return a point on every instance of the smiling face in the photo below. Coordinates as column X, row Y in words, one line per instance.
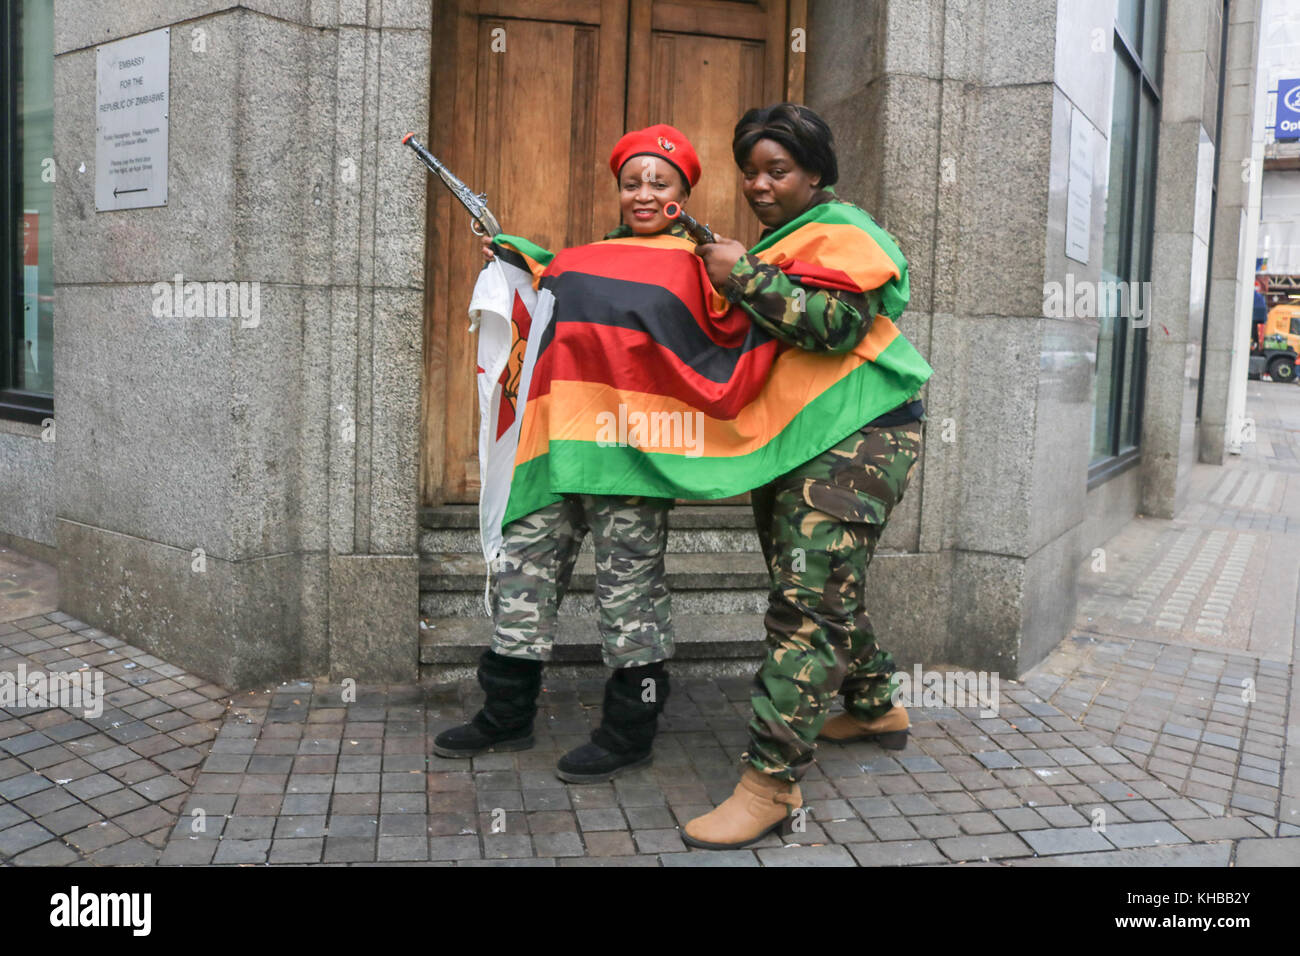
column 645, row 185
column 776, row 187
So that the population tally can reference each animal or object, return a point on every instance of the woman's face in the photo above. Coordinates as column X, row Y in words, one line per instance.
column 645, row 185
column 775, row 186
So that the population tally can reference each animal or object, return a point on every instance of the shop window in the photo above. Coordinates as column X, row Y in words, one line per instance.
column 1126, row 256
column 27, row 317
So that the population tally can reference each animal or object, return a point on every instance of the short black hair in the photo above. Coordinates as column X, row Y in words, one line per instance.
column 802, row 132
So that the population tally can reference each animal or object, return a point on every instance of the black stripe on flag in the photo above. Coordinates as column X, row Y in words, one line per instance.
column 648, row 308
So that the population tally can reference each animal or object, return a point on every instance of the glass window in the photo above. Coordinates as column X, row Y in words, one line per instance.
column 1102, row 406
column 1120, row 186
column 1133, row 368
column 1127, row 17
column 1143, row 187
column 1126, row 249
column 1114, row 259
column 1151, row 27
column 1140, row 269
column 27, row 321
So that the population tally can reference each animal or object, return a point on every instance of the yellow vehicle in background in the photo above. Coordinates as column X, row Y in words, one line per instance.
column 1284, row 320
column 1276, row 343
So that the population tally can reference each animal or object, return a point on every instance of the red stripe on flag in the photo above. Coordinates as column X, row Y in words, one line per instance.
column 820, row 276
column 632, row 361
column 684, row 277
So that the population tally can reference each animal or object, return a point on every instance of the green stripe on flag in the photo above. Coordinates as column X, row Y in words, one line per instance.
column 895, row 293
column 530, row 249
column 867, row 392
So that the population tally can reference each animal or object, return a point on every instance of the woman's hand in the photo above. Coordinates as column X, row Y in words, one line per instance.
column 719, row 258
column 487, row 249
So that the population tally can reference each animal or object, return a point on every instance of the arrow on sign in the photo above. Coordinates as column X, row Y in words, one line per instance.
column 119, row 192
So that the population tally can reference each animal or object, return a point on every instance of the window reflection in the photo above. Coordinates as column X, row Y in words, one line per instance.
column 1126, row 251
column 29, row 358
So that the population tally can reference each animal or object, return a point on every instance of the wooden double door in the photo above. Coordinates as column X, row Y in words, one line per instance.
column 529, row 97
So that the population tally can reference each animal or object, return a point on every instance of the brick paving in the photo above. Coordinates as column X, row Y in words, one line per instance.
column 299, row 774
column 103, row 789
column 1179, row 713
column 348, row 783
column 1183, row 654
column 1156, row 733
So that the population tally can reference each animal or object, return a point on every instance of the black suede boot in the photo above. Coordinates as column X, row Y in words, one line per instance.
column 506, row 720
column 626, row 733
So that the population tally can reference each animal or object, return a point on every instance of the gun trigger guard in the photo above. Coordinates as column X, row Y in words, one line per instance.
column 477, row 228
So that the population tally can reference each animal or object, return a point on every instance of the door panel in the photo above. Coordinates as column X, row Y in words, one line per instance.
column 698, row 66
column 525, row 129
column 702, row 85
column 536, row 128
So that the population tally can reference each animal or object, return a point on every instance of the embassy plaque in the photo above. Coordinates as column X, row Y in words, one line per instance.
column 1078, row 189
column 132, row 82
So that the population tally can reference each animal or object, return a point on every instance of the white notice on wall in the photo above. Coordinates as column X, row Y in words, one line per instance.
column 132, row 79
column 1078, row 191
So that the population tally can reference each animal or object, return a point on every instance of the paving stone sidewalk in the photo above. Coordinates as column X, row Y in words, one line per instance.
column 1161, row 731
column 177, row 772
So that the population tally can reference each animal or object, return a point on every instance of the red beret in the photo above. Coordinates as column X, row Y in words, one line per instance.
column 663, row 141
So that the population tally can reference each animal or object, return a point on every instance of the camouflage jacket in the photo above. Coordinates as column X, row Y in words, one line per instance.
column 807, row 317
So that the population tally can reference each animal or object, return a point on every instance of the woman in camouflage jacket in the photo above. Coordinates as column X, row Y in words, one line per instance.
column 820, row 523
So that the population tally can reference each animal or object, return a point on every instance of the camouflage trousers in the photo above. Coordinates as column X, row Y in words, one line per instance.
column 535, row 567
column 819, row 526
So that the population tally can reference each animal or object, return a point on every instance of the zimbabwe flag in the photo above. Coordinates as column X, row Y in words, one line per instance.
column 627, row 374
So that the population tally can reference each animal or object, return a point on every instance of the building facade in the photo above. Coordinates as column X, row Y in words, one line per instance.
column 290, row 492
column 1278, row 248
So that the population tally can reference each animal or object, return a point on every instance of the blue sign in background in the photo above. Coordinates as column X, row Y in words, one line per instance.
column 1286, row 127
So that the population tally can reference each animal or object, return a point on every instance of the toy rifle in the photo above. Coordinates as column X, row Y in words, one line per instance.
column 483, row 222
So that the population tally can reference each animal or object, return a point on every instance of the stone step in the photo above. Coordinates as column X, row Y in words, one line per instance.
column 680, row 540
column 714, row 568
column 581, row 604
column 692, row 516
column 705, row 645
column 737, row 570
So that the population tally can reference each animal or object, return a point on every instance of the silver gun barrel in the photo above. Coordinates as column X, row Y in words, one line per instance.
column 484, row 223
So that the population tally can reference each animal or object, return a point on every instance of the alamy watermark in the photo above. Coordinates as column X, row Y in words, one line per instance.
column 208, row 300
column 70, row 690
column 75, row 908
column 924, row 688
column 652, row 430
column 1085, row 299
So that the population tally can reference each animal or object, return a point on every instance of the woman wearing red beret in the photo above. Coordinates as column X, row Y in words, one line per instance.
column 652, row 167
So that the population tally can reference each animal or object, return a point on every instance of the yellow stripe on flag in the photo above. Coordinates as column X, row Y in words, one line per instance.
column 796, row 379
column 836, row 246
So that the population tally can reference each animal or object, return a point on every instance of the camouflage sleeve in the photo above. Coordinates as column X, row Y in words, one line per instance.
column 805, row 316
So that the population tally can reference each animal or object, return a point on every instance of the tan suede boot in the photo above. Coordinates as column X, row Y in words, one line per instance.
column 890, row 730
column 759, row 805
